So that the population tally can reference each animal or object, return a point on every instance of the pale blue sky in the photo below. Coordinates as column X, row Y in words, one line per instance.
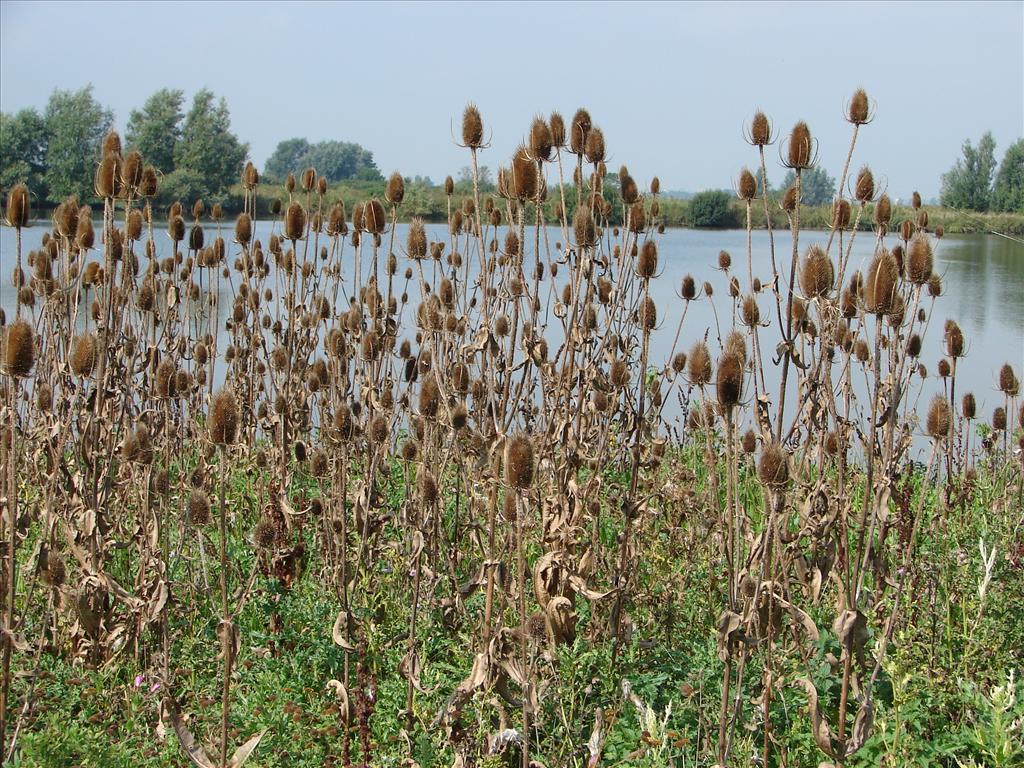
column 670, row 84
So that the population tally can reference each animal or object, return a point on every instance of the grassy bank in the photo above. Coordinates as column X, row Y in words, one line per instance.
column 946, row 689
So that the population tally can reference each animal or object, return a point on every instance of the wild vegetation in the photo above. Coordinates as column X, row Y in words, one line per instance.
column 341, row 498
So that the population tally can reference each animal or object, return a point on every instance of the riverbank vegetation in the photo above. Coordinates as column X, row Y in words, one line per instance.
column 340, row 498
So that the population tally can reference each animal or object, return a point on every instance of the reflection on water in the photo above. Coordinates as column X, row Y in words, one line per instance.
column 983, row 279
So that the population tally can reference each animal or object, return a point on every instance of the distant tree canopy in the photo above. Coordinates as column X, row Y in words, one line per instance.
column 334, row 160
column 711, row 209
column 1008, row 192
column 816, row 186
column 155, row 130
column 968, row 184
column 56, row 153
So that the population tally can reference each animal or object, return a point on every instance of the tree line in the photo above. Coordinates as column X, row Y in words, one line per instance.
column 975, row 184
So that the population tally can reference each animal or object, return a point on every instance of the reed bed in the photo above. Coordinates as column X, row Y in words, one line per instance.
column 452, row 470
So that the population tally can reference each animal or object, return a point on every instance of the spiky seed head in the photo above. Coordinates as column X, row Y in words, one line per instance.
column 880, row 284
column 914, row 346
column 699, row 364
column 176, row 228
column 954, row 339
column 541, row 140
column 83, row 355
column 816, row 273
column 44, row 397
column 524, row 175
column 243, row 229
column 688, row 288
column 427, row 487
column 939, row 419
column 944, row 368
column 751, row 313
column 17, row 206
column 198, row 507
column 773, row 468
column 1008, row 383
column 969, row 406
column 729, row 380
column 584, row 227
column 859, row 110
column 760, row 130
column 647, row 263
column 920, row 259
column 223, row 417
column 648, row 314
column 394, row 192
column 373, row 217
column 749, row 441
column 789, row 199
column 935, row 285
column 472, row 127
column 430, row 397
column 519, row 462
column 915, row 200
column 594, row 148
column 556, row 124
column 864, row 189
column 999, row 419
column 295, row 222
column 581, row 125
column 883, row 211
column 628, row 188
column 801, row 146
column 265, row 534
column 746, row 188
column 19, row 349
column 724, row 260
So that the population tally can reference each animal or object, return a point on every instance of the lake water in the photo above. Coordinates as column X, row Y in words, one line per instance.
column 983, row 289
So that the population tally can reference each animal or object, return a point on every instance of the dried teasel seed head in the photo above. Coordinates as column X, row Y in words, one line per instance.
column 939, row 418
column 879, row 287
column 198, row 507
column 176, row 228
column 999, row 419
column 584, row 228
column 773, row 468
column 519, row 462
column 44, row 397
column 969, row 406
column 1008, row 382
column 915, row 200
column 935, row 285
column 864, row 189
column 17, row 206
column 373, row 217
column 841, row 214
column 760, row 130
column 817, row 273
column 954, row 339
column 430, row 397
column 594, row 148
column 541, row 140
column 883, row 211
column 859, row 110
column 472, row 127
column 19, row 351
column 789, row 199
column 688, row 288
column 699, row 364
column 223, row 417
column 295, row 222
column 746, row 187
column 914, row 346
column 944, row 368
column 919, row 260
column 394, row 192
column 724, row 260
column 801, row 147
column 647, row 263
column 729, row 380
column 581, row 125
column 751, row 313
column 84, row 356
column 648, row 314
column 243, row 229
column 557, row 127
column 524, row 175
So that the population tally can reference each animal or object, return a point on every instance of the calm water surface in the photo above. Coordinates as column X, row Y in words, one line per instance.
column 983, row 289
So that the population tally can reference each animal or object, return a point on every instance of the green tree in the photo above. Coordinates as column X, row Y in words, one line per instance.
column 816, row 186
column 464, row 183
column 23, row 141
column 75, row 126
column 334, row 160
column 208, row 147
column 288, row 157
column 711, row 209
column 155, row 130
column 1008, row 192
column 968, row 184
